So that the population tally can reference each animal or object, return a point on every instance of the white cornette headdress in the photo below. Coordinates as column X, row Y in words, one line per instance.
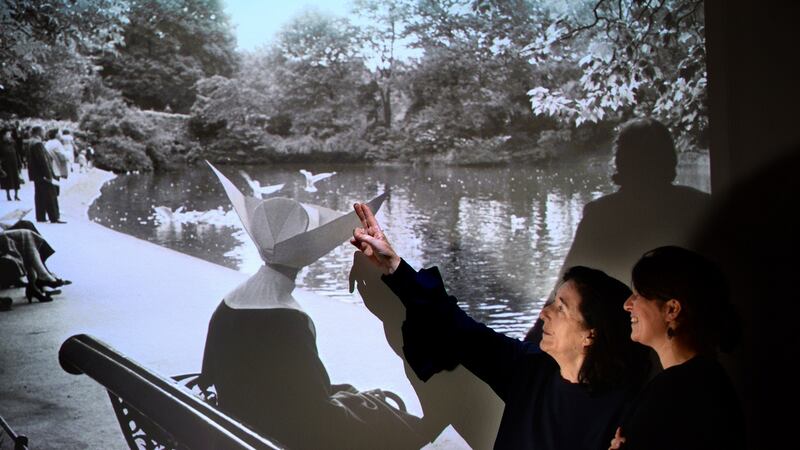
column 287, row 233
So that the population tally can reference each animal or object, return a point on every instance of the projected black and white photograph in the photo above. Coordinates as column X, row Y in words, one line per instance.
column 363, row 224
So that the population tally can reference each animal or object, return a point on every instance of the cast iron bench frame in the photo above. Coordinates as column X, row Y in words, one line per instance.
column 156, row 412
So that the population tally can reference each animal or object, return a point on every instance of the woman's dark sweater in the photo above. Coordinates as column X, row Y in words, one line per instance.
column 543, row 411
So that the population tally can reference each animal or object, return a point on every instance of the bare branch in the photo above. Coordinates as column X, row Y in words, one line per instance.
column 575, row 31
column 690, row 13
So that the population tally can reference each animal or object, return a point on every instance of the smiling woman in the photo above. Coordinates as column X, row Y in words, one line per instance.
column 681, row 309
column 570, row 394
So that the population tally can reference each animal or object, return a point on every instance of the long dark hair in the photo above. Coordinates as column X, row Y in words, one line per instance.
column 612, row 359
column 708, row 320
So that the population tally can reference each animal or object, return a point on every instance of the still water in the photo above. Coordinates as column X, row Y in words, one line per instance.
column 498, row 234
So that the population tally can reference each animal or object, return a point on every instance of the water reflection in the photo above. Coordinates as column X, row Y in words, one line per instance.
column 498, row 234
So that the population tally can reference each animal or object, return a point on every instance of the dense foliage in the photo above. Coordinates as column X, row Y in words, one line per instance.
column 167, row 46
column 636, row 58
column 45, row 69
column 457, row 81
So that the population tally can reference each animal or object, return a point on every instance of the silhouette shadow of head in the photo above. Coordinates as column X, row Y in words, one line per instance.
column 648, row 211
column 645, row 155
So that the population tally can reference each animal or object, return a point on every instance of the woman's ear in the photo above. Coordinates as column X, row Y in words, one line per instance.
column 589, row 338
column 672, row 309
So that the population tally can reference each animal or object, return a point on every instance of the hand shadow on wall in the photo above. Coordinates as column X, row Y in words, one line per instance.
column 455, row 397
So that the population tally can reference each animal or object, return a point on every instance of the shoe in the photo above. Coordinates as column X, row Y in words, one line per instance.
column 5, row 304
column 53, row 284
column 17, row 199
column 32, row 292
column 57, row 221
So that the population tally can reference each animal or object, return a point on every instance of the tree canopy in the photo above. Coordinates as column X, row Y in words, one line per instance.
column 33, row 31
column 167, row 46
column 636, row 58
column 458, row 80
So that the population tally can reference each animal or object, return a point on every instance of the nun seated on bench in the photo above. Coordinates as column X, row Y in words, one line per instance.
column 261, row 352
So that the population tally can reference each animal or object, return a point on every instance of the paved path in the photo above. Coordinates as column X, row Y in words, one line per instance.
column 152, row 304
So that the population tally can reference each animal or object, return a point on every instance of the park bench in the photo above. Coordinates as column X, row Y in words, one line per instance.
column 156, row 412
column 20, row 441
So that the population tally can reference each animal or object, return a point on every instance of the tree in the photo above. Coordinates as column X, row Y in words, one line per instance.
column 387, row 28
column 68, row 80
column 636, row 57
column 472, row 79
column 319, row 73
column 29, row 30
column 223, row 102
column 168, row 46
column 44, row 70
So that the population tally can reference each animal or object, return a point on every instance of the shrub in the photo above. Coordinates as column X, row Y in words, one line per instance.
column 109, row 118
column 299, row 146
column 280, row 124
column 121, row 154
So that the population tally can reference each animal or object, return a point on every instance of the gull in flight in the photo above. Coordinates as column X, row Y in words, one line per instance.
column 313, row 178
column 260, row 191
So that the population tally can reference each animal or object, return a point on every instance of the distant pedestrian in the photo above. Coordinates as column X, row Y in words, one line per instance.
column 90, row 156
column 82, row 161
column 57, row 153
column 9, row 165
column 19, row 142
column 45, row 182
column 68, row 142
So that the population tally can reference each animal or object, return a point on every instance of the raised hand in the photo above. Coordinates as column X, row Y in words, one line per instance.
column 369, row 238
column 618, row 440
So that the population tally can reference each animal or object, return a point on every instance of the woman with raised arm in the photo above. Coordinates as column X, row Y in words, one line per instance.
column 680, row 308
column 569, row 396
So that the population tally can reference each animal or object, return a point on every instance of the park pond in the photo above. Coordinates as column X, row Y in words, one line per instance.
column 499, row 234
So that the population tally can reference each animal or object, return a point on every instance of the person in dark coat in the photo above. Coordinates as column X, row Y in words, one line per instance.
column 569, row 395
column 19, row 142
column 40, row 171
column 9, row 176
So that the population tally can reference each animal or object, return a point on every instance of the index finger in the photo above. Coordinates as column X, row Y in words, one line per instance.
column 358, row 207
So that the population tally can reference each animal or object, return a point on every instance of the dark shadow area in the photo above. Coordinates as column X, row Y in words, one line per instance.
column 451, row 397
column 753, row 95
column 753, row 235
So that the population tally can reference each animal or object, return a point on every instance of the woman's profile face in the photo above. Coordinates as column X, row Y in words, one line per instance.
column 648, row 319
column 564, row 332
